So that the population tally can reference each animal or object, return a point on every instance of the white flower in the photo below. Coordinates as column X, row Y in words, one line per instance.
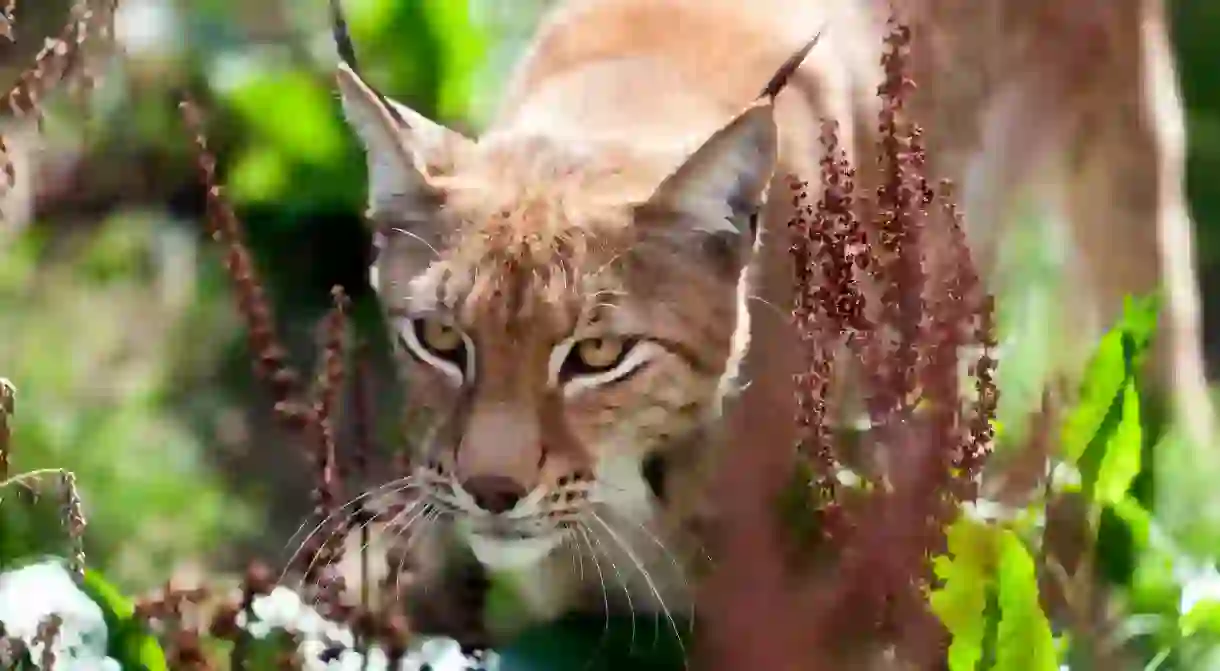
column 283, row 609
column 30, row 595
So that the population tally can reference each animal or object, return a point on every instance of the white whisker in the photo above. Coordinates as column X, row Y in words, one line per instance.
column 601, row 579
column 651, row 585
column 393, row 483
column 313, row 560
column 425, row 519
column 622, row 581
column 398, row 486
column 786, row 314
column 416, row 237
column 673, row 561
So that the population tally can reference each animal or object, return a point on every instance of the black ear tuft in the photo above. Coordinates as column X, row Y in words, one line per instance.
column 780, row 79
column 342, row 37
column 347, row 53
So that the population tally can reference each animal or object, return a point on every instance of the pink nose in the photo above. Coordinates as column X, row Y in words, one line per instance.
column 494, row 493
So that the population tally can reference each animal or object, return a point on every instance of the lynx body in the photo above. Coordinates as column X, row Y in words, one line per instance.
column 567, row 288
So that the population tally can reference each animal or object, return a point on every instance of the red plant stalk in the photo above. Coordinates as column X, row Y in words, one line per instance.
column 926, row 308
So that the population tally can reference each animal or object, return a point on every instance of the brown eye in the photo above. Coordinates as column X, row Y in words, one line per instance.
column 440, row 338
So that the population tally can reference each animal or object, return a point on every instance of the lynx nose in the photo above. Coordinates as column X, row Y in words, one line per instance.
column 494, row 493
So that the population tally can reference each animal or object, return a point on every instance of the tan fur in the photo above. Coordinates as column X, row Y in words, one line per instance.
column 596, row 203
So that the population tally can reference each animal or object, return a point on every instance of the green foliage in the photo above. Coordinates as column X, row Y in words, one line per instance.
column 1103, row 434
column 987, row 593
column 99, row 403
column 425, row 54
column 966, row 580
column 1024, row 641
column 988, row 564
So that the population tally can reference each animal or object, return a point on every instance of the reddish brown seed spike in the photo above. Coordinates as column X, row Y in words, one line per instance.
column 780, row 79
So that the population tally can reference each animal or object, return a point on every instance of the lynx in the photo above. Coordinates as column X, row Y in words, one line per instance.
column 569, row 290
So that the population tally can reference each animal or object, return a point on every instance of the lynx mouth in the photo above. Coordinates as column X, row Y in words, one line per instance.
column 511, row 548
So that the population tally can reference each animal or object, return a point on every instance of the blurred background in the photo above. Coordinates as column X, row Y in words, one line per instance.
column 116, row 322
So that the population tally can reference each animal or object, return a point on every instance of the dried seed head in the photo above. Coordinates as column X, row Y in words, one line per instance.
column 73, row 516
column 8, row 14
column 269, row 353
column 68, row 58
column 46, row 635
column 8, row 405
column 925, row 306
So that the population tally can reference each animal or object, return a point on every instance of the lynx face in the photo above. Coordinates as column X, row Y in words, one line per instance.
column 565, row 313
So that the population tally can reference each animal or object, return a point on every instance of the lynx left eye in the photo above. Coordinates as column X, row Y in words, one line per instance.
column 595, row 356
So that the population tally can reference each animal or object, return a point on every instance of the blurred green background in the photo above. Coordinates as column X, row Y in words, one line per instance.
column 118, row 325
column 116, row 322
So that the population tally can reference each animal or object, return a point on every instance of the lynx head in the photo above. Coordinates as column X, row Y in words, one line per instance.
column 565, row 312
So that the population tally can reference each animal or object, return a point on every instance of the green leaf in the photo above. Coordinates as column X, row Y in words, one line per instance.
column 1103, row 434
column 128, row 642
column 1120, row 461
column 966, row 578
column 1103, row 380
column 1024, row 641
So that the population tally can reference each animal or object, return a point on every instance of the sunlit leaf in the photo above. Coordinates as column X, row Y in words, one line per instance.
column 1024, row 641
column 1120, row 461
column 960, row 602
column 1103, row 380
column 1102, row 435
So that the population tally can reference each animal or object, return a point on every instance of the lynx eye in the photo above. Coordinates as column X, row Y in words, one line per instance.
column 442, row 339
column 590, row 362
column 592, row 355
column 441, row 345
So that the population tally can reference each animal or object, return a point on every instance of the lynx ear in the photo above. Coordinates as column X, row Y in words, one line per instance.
column 721, row 185
column 404, row 148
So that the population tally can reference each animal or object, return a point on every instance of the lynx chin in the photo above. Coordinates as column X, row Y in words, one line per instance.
column 568, row 291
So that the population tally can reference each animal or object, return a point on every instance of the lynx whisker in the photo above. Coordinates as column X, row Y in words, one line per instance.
column 416, row 237
column 601, row 579
column 669, row 555
column 400, row 485
column 313, row 560
column 622, row 580
column 651, row 585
